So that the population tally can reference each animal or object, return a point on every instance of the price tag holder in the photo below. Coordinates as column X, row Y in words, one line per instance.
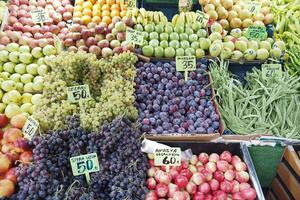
column 271, row 70
column 134, row 36
column 253, row 7
column 167, row 157
column 30, row 127
column 85, row 164
column 130, row 4
column 39, row 16
column 185, row 64
column 78, row 93
column 202, row 18
column 256, row 33
column 58, row 44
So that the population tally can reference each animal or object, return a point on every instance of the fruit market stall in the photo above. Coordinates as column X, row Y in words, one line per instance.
column 130, row 100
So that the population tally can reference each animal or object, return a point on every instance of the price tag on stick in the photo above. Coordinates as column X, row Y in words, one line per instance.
column 253, row 7
column 256, row 33
column 167, row 157
column 39, row 16
column 131, row 4
column 78, row 93
column 85, row 164
column 134, row 36
column 270, row 70
column 202, row 18
column 58, row 44
column 185, row 64
column 30, row 127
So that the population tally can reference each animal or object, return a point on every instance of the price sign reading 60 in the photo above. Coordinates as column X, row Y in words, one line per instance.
column 167, row 157
column 78, row 93
column 84, row 164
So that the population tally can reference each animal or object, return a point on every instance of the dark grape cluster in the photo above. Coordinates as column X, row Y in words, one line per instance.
column 122, row 165
column 169, row 104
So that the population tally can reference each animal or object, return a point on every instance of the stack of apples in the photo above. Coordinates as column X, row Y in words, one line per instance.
column 14, row 147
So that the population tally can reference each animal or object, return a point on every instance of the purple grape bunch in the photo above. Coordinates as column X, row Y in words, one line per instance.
column 169, row 104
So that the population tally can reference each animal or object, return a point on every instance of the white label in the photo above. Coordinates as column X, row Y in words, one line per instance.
column 78, row 93
column 30, row 128
column 39, row 16
column 167, row 157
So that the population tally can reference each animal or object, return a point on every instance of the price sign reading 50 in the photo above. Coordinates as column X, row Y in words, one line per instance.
column 167, row 157
column 84, row 164
column 256, row 33
column 134, row 36
column 30, row 127
column 78, row 93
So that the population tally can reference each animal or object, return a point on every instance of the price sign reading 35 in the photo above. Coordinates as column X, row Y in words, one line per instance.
column 84, row 164
column 30, row 127
column 167, row 157
column 185, row 63
column 78, row 93
column 134, row 36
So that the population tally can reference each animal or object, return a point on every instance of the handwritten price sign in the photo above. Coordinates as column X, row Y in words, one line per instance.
column 167, row 157
column 30, row 128
column 256, row 33
column 134, row 36
column 39, row 16
column 78, row 93
column 185, row 63
column 84, row 164
column 253, row 7
column 131, row 4
column 270, row 70
column 202, row 18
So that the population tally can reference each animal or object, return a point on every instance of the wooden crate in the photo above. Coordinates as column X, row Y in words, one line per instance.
column 286, row 185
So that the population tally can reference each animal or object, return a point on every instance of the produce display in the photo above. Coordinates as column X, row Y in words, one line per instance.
column 287, row 28
column 110, row 83
column 237, row 14
column 204, row 176
column 22, row 77
column 263, row 105
column 169, row 104
column 22, row 29
column 15, row 152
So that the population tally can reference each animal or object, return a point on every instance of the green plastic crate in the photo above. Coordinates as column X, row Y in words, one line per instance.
column 266, row 160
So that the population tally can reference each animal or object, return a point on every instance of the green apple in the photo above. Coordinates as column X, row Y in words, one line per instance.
column 28, row 87
column 204, row 43
column 170, row 52
column 32, row 68
column 4, row 55
column 174, row 36
column 19, row 86
column 154, row 43
column 193, row 38
column 159, row 28
column 9, row 67
column 164, row 36
column 200, row 53
column 26, row 78
column 164, row 44
column 145, row 43
column 189, row 52
column 196, row 26
column 20, row 68
column 11, row 47
column 4, row 75
column 24, row 49
column 25, row 58
column 138, row 27
column 183, row 36
column 168, row 29
column 149, row 28
column 184, row 44
column 179, row 52
column 38, row 78
column 145, row 35
column 15, row 77
column 14, row 57
column 38, row 86
column 201, row 33
column 189, row 30
column 158, row 52
column 148, row 51
column 8, row 85
column 153, row 35
column 174, row 44
column 195, row 45
column 179, row 29
column 40, row 61
column 49, row 50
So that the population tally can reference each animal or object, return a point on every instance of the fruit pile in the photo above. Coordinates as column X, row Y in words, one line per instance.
column 237, row 46
column 22, row 74
column 23, row 30
column 142, row 16
column 101, row 40
column 98, row 11
column 169, row 41
column 110, row 83
column 236, row 14
column 14, row 151
column 122, row 172
column 169, row 104
column 204, row 176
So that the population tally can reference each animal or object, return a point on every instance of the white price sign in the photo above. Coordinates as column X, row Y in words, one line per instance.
column 167, row 157
column 39, row 16
column 30, row 128
column 78, row 93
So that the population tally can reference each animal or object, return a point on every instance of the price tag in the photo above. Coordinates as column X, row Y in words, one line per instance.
column 134, row 36
column 30, row 127
column 78, row 93
column 270, row 70
column 58, row 44
column 85, row 164
column 39, row 16
column 167, row 157
column 185, row 64
column 256, row 33
column 253, row 7
column 182, row 3
column 202, row 18
column 130, row 4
